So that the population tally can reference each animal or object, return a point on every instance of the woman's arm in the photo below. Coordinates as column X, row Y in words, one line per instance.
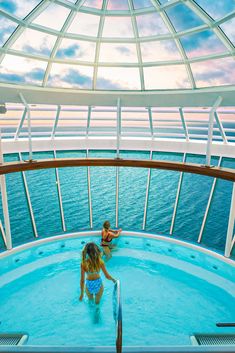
column 82, row 280
column 115, row 233
column 107, row 275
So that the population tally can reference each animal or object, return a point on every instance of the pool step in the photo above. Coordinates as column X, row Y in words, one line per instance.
column 13, row 339
column 213, row 339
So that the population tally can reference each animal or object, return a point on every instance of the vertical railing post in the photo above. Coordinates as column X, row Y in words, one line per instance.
column 59, row 195
column 8, row 239
column 208, row 205
column 117, row 156
column 210, row 129
column 29, row 201
column 147, row 194
column 231, row 221
column 184, row 124
column 118, row 125
column 29, row 126
column 177, row 198
column 89, row 192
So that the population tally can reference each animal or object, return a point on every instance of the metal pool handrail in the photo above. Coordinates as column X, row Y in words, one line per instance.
column 118, row 315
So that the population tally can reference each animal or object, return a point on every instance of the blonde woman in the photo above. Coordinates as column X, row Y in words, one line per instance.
column 91, row 265
column 107, row 235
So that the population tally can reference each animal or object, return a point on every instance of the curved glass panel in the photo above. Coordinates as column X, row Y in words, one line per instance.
column 92, row 43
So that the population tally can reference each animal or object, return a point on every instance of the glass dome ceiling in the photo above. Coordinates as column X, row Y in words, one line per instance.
column 118, row 45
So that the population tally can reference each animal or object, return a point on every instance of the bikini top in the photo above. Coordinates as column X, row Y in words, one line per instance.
column 107, row 239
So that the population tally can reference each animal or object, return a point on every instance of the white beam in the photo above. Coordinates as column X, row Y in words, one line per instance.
column 160, row 98
column 210, row 129
column 118, row 129
column 7, row 234
column 29, row 125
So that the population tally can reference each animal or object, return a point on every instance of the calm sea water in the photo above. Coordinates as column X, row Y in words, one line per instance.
column 132, row 189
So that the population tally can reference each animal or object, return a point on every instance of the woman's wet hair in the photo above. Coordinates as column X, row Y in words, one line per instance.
column 91, row 257
column 106, row 225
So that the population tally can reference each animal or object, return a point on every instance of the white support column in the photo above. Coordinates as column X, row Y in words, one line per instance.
column 151, row 122
column 118, row 125
column 177, row 198
column 19, row 127
column 231, row 221
column 184, row 124
column 59, row 195
column 8, row 240
column 147, row 194
column 29, row 125
column 221, row 129
column 89, row 192
column 56, row 122
column 29, row 201
column 117, row 195
column 208, row 205
column 210, row 130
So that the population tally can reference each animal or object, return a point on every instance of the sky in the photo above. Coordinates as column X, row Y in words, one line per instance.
column 126, row 50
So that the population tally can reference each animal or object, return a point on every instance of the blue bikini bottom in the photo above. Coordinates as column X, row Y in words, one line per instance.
column 94, row 285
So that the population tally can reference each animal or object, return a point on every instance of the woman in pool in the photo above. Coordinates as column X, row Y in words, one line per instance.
column 107, row 237
column 91, row 265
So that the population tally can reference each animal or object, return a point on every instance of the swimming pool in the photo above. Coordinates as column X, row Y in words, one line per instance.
column 169, row 292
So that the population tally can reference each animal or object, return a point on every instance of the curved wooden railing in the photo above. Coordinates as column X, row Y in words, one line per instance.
column 216, row 172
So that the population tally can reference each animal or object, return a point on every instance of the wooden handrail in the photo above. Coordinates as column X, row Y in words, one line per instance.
column 216, row 172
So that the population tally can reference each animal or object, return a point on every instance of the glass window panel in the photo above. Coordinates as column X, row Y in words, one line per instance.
column 74, row 190
column 118, row 27
column 217, row 9
column 7, row 28
column 22, row 70
column 35, row 42
column 164, row 77
column 162, row 193
column 214, row 72
column 103, row 119
column 73, row 49
column 167, row 122
column 103, row 190
column 18, row 7
column 229, row 29
column 183, row 18
column 93, row 3
column 139, row 4
column 21, row 226
column 71, row 76
column 193, row 201
column 56, row 12
column 72, row 121
column 118, row 5
column 150, row 25
column 202, row 43
column 85, row 24
column 132, row 190
column 135, row 119
column 118, row 53
column 160, row 51
column 116, row 78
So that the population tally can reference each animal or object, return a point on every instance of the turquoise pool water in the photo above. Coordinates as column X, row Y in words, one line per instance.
column 169, row 292
column 132, row 189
